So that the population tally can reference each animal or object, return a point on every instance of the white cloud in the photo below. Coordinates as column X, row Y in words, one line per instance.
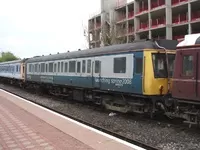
column 36, row 27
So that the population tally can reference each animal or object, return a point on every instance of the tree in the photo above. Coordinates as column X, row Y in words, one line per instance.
column 113, row 34
column 7, row 56
column 110, row 34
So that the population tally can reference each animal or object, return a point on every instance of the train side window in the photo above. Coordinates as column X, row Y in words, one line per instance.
column 61, row 66
column 36, row 67
column 187, row 65
column 120, row 65
column 58, row 66
column 78, row 70
column 83, row 66
column 54, row 68
column 97, row 66
column 66, row 66
column 42, row 67
column 50, row 67
column 88, row 66
column 139, row 65
column 72, row 66
column 46, row 69
column 33, row 68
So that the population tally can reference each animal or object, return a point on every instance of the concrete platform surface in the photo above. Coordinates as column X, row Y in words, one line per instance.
column 25, row 125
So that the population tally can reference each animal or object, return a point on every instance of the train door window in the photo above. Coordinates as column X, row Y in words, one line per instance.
column 50, row 67
column 46, row 68
column 19, row 68
column 88, row 66
column 83, row 66
column 33, row 68
column 66, row 66
column 139, row 65
column 38, row 68
column 159, row 65
column 58, row 66
column 72, row 66
column 187, row 65
column 61, row 66
column 78, row 70
column 120, row 65
column 23, row 71
column 55, row 68
column 97, row 66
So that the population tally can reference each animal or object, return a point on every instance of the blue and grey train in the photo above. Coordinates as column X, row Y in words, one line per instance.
column 124, row 77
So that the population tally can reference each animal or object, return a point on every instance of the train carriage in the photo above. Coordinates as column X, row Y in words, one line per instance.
column 112, row 75
column 186, row 85
column 13, row 71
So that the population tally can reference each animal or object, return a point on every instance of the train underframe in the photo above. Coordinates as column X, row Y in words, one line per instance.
column 184, row 109
column 120, row 102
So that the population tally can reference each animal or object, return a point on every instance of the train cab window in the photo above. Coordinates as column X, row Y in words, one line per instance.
column 78, row 70
column 72, row 66
column 187, row 65
column 50, row 67
column 120, row 65
column 61, row 67
column 66, row 66
column 83, row 66
column 58, row 66
column 139, row 65
column 159, row 65
column 97, row 66
column 88, row 66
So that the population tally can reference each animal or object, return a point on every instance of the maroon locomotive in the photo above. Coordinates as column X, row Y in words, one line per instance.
column 185, row 101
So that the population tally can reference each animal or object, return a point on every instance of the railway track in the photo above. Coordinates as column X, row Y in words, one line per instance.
column 135, row 142
column 143, row 129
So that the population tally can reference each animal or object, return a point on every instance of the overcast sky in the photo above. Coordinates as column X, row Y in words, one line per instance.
column 40, row 27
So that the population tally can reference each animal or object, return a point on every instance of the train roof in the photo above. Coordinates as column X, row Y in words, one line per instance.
column 138, row 45
column 190, row 40
column 11, row 62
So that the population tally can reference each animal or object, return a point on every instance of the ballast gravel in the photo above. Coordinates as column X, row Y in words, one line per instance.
column 161, row 136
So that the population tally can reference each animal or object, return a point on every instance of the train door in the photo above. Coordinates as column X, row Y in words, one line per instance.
column 97, row 73
column 187, row 86
column 89, row 73
column 138, row 72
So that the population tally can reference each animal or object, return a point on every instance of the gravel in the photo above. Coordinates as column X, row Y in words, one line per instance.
column 161, row 136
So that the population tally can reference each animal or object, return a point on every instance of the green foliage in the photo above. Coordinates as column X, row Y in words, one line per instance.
column 7, row 56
